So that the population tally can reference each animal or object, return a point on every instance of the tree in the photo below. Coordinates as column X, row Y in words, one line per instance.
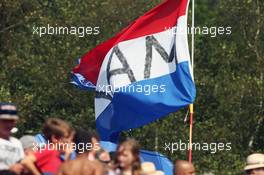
column 35, row 74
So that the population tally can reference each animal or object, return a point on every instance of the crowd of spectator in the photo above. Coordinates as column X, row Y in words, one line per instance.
column 68, row 151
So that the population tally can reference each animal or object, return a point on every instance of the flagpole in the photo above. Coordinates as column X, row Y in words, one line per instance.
column 191, row 105
column 190, row 133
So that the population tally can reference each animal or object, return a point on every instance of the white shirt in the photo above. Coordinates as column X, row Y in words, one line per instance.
column 11, row 152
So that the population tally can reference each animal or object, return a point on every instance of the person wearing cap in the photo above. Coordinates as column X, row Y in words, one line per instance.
column 11, row 151
column 255, row 164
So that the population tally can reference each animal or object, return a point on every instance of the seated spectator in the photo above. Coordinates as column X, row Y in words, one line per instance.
column 82, row 167
column 47, row 160
column 255, row 164
column 148, row 168
column 89, row 155
column 41, row 141
column 11, row 151
column 88, row 142
column 183, row 167
column 127, row 158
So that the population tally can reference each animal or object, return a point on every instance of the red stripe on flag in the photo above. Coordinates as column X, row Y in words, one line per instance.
column 156, row 20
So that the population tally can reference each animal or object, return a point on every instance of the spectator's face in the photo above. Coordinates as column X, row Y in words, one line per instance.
column 191, row 171
column 184, row 168
column 68, row 138
column 96, row 144
column 64, row 142
column 259, row 171
column 5, row 127
column 125, row 157
column 187, row 172
column 105, row 157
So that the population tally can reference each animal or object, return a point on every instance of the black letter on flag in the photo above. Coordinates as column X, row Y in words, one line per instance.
column 152, row 41
column 104, row 95
column 125, row 70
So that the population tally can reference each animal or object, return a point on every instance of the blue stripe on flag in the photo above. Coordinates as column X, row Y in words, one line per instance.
column 79, row 81
column 134, row 109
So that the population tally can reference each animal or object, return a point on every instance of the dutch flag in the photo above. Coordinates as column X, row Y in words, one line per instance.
column 141, row 74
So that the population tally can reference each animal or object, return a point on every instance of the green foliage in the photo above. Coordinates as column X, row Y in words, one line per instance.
column 35, row 73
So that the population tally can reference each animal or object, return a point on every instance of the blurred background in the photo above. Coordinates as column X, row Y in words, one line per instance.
column 35, row 73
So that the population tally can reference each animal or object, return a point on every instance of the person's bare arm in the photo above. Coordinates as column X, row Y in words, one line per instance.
column 29, row 163
column 17, row 168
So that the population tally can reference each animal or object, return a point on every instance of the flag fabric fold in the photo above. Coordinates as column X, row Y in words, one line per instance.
column 141, row 74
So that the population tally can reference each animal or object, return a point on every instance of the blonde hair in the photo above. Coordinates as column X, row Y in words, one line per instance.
column 134, row 147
